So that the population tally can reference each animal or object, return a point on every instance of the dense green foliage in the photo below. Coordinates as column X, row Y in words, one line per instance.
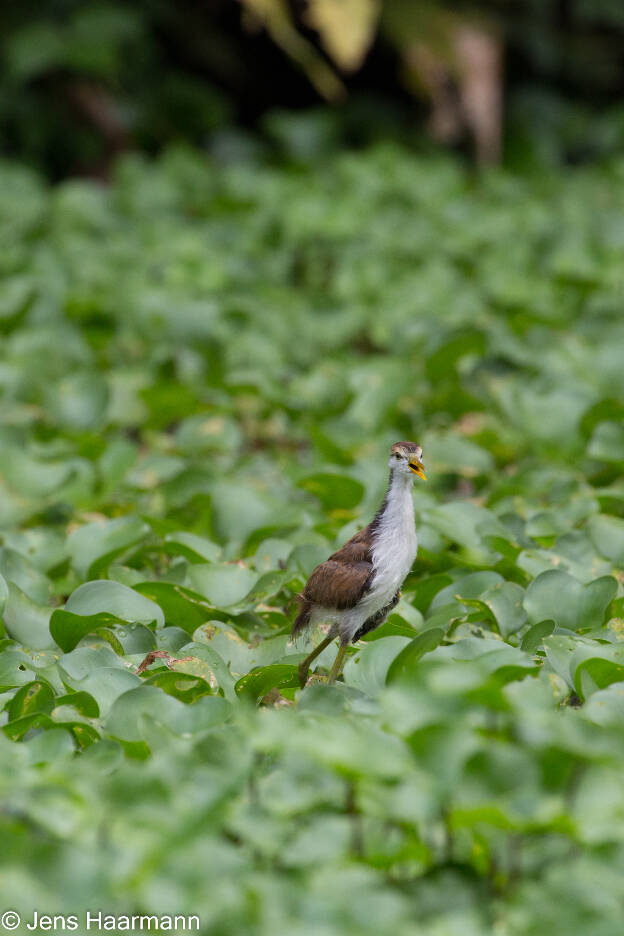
column 201, row 370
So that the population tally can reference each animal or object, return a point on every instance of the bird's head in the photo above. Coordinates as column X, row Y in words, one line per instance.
column 405, row 458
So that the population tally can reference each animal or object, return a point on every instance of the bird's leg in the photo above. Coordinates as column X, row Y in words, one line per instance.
column 337, row 667
column 304, row 666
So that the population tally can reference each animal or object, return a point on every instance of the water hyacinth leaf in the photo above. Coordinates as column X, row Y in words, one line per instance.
column 504, row 600
column 305, row 558
column 36, row 696
column 68, row 629
column 222, row 584
column 79, row 401
column 50, row 746
column 43, row 548
column 404, row 664
column 336, row 492
column 256, row 684
column 13, row 671
column 15, row 568
column 607, row 535
column 171, row 639
column 17, row 729
column 31, row 477
column 535, row 635
column 84, row 660
column 267, row 586
column 104, row 685
column 93, row 546
column 4, row 594
column 395, row 625
column 192, row 547
column 597, row 673
column 83, row 734
column 556, row 595
column 181, row 606
column 428, row 589
column 183, row 686
column 239, row 510
column 367, row 669
column 607, row 442
column 134, row 638
column 272, row 553
column 212, row 668
column 125, row 722
column 208, row 432
column 26, row 621
column 82, row 702
column 606, row 706
column 458, row 522
column 116, row 599
column 472, row 585
column 559, row 651
column 451, row 453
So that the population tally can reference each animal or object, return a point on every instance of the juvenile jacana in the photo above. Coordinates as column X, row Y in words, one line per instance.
column 358, row 586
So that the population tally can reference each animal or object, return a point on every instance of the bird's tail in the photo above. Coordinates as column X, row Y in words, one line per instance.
column 302, row 621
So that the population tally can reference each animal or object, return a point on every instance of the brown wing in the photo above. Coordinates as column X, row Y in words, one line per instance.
column 341, row 581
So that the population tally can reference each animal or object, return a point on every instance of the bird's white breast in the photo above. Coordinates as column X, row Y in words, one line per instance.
column 395, row 545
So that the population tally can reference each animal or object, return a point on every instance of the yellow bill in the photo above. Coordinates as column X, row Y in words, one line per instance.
column 418, row 468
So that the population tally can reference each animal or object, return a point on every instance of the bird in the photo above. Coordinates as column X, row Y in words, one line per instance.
column 356, row 588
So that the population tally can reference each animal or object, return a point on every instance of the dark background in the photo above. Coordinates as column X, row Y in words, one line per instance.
column 80, row 82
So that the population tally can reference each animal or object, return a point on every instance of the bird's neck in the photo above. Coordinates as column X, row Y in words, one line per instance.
column 397, row 503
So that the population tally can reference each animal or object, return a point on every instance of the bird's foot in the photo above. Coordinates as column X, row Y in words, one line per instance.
column 317, row 679
column 305, row 679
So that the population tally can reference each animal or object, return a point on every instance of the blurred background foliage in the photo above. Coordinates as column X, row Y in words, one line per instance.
column 201, row 369
column 537, row 80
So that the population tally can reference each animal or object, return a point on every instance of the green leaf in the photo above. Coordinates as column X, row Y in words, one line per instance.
column 4, row 595
column 556, row 595
column 49, row 747
column 216, row 667
column 367, row 670
column 182, row 686
column 404, row 664
column 606, row 707
column 267, row 586
column 255, row 685
column 25, row 621
column 181, row 606
column 607, row 535
column 104, row 685
column 125, row 719
column 505, row 601
column 82, row 702
column 192, row 547
column 34, row 697
column 607, row 442
column 68, row 629
column 336, row 492
column 535, row 635
column 239, row 510
column 92, row 547
column 15, row 568
column 451, row 453
column 222, row 584
column 79, row 401
column 115, row 599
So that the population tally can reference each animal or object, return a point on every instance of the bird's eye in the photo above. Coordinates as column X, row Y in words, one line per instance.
column 396, row 455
